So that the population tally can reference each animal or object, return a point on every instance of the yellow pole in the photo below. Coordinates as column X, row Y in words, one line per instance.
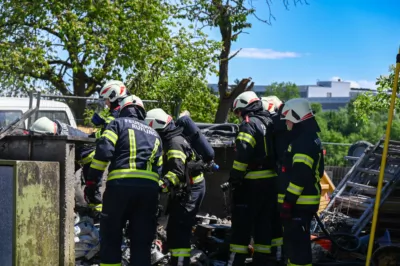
column 383, row 163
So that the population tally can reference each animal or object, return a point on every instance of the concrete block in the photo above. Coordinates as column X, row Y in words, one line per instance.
column 30, row 223
column 59, row 149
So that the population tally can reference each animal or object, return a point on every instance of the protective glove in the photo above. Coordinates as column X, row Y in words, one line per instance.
column 235, row 181
column 91, row 193
column 164, row 185
column 286, row 210
column 195, row 166
column 97, row 120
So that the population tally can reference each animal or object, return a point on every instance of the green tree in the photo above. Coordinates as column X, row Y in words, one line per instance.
column 72, row 47
column 368, row 103
column 231, row 17
column 283, row 90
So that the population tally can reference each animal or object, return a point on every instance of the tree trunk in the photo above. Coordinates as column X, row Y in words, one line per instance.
column 225, row 102
column 78, row 106
column 225, row 27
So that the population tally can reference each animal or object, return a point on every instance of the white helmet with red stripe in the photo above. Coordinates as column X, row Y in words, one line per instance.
column 131, row 100
column 271, row 103
column 158, row 118
column 297, row 110
column 113, row 90
column 245, row 99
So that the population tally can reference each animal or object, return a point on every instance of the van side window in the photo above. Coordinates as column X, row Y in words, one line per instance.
column 55, row 115
column 7, row 117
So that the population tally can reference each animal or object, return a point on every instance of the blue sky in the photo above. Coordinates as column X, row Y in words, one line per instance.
column 355, row 40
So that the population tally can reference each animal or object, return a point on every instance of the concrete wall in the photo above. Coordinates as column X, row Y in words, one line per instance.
column 52, row 149
column 30, row 213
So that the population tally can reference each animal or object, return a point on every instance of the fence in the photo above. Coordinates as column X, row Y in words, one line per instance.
column 76, row 110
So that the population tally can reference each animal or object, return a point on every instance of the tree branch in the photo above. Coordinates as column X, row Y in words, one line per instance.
column 232, row 56
column 59, row 62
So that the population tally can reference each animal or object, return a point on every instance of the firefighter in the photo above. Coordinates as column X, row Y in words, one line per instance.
column 303, row 167
column 112, row 92
column 274, row 105
column 132, row 190
column 44, row 125
column 183, row 177
column 252, row 180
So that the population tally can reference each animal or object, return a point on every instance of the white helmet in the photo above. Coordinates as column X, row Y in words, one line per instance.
column 244, row 100
column 131, row 100
column 157, row 118
column 45, row 126
column 271, row 103
column 113, row 90
column 297, row 110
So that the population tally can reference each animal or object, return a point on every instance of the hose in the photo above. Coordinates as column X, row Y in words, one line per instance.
column 330, row 237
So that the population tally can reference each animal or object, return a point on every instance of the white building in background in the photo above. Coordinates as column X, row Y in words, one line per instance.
column 331, row 94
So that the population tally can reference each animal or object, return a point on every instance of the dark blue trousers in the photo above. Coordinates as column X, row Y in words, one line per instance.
column 182, row 217
column 137, row 204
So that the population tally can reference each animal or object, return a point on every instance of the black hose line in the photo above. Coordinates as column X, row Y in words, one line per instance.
column 330, row 237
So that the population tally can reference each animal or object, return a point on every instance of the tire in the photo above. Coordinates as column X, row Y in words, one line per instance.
column 358, row 148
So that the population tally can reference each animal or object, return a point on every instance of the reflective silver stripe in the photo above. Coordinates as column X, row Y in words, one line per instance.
column 303, row 158
column 180, row 252
column 172, row 177
column 239, row 166
column 262, row 248
column 132, row 173
column 303, row 199
column 110, row 135
column 98, row 165
column 261, row 174
column 241, row 249
column 198, row 179
column 295, row 189
column 247, row 138
column 277, row 242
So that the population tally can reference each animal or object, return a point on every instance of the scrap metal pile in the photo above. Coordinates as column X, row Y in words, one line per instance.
column 209, row 243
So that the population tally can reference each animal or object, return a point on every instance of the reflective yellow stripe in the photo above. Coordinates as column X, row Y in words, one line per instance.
column 108, row 119
column 303, row 158
column 303, row 199
column 97, row 207
column 241, row 249
column 198, row 179
column 98, row 165
column 160, row 161
column 87, row 159
column 98, row 134
column 172, row 177
column 292, row 264
column 277, row 242
column 247, row 138
column 262, row 248
column 111, row 136
column 239, row 166
column 317, row 175
column 177, row 155
column 260, row 174
column 150, row 162
column 132, row 149
column 295, row 189
column 132, row 173
column 180, row 252
column 107, row 264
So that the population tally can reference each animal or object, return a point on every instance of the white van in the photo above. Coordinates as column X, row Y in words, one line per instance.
column 13, row 108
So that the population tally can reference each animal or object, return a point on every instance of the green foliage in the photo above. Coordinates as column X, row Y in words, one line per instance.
column 73, row 47
column 367, row 104
column 283, row 90
column 316, row 107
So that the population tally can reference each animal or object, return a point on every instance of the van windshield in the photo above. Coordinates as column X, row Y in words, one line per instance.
column 7, row 117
